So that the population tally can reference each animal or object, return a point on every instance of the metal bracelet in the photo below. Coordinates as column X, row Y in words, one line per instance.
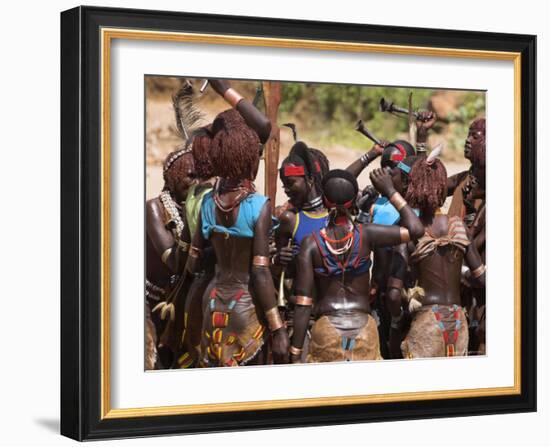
column 294, row 350
column 398, row 201
column 274, row 320
column 232, row 97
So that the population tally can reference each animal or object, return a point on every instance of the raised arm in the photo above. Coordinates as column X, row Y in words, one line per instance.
column 262, row 284
column 304, row 297
column 367, row 158
column 424, row 122
column 411, row 228
column 253, row 117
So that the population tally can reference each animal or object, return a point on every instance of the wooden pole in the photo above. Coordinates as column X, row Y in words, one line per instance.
column 272, row 96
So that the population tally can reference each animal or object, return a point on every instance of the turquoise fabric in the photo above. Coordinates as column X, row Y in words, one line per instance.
column 249, row 211
column 384, row 213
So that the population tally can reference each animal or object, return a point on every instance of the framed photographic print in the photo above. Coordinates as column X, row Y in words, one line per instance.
column 274, row 223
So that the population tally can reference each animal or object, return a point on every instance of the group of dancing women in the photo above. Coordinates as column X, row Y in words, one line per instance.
column 340, row 272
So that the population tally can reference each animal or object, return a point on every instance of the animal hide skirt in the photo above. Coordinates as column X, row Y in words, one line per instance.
column 437, row 331
column 327, row 343
column 232, row 335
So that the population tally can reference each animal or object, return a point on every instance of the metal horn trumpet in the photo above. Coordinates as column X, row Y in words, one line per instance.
column 386, row 106
column 360, row 127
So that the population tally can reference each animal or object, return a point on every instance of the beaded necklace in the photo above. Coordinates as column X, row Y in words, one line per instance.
column 348, row 239
column 172, row 208
column 245, row 188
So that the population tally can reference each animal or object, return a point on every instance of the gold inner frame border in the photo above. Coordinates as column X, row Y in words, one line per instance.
column 107, row 35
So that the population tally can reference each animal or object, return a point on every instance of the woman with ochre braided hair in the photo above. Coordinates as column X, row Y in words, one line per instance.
column 336, row 259
column 165, row 248
column 240, row 309
column 438, row 326
column 186, row 307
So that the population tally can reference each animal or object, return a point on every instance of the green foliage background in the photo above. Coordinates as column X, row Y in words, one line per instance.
column 325, row 114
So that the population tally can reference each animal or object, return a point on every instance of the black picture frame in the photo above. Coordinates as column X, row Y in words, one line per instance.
column 81, row 223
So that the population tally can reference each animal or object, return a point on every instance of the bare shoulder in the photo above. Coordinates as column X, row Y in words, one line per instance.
column 154, row 210
column 440, row 226
column 265, row 212
column 287, row 221
column 153, row 205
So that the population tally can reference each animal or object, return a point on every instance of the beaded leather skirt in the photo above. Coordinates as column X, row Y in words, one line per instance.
column 437, row 331
column 327, row 343
column 232, row 335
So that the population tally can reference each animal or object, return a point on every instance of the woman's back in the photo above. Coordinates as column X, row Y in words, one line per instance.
column 230, row 229
column 438, row 257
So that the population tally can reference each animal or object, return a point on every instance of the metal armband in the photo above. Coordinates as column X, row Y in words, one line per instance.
column 405, row 235
column 303, row 300
column 261, row 261
column 479, row 271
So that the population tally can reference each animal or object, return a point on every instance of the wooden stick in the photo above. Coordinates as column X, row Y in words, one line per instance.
column 272, row 95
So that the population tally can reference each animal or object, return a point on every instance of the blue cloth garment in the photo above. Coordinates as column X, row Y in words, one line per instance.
column 249, row 211
column 384, row 213
column 307, row 223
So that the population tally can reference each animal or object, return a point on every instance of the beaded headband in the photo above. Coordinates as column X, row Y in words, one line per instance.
column 174, row 157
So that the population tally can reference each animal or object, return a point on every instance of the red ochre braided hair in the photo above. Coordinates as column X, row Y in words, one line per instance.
column 427, row 189
column 202, row 148
column 235, row 147
column 175, row 168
